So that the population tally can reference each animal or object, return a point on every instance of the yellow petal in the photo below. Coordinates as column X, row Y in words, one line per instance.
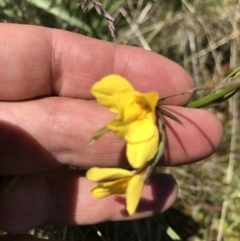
column 136, row 132
column 105, row 89
column 99, row 192
column 134, row 105
column 140, row 153
column 133, row 128
column 128, row 108
column 140, row 130
column 133, row 192
column 152, row 98
column 97, row 174
column 109, row 188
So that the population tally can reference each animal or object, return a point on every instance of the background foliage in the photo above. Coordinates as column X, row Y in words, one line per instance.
column 203, row 37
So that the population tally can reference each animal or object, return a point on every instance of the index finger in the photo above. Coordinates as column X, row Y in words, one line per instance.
column 38, row 62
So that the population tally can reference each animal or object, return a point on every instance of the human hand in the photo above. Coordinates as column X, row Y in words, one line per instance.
column 47, row 119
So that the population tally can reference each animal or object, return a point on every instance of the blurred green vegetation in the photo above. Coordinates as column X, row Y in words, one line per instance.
column 203, row 37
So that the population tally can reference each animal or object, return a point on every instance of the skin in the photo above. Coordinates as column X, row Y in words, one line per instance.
column 48, row 116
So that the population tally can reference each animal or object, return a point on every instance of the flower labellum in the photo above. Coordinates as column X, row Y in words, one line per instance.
column 135, row 120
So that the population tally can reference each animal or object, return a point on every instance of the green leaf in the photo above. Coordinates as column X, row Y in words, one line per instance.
column 170, row 232
column 2, row 4
column 220, row 95
column 61, row 13
column 214, row 97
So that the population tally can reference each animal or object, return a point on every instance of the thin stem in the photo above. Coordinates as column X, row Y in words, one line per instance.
column 161, row 147
column 232, row 158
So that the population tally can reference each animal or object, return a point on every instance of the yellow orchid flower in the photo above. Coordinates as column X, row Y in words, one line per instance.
column 118, row 181
column 136, row 117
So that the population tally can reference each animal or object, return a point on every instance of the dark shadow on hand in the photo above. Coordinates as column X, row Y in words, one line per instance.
column 20, row 153
column 166, row 160
column 162, row 187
